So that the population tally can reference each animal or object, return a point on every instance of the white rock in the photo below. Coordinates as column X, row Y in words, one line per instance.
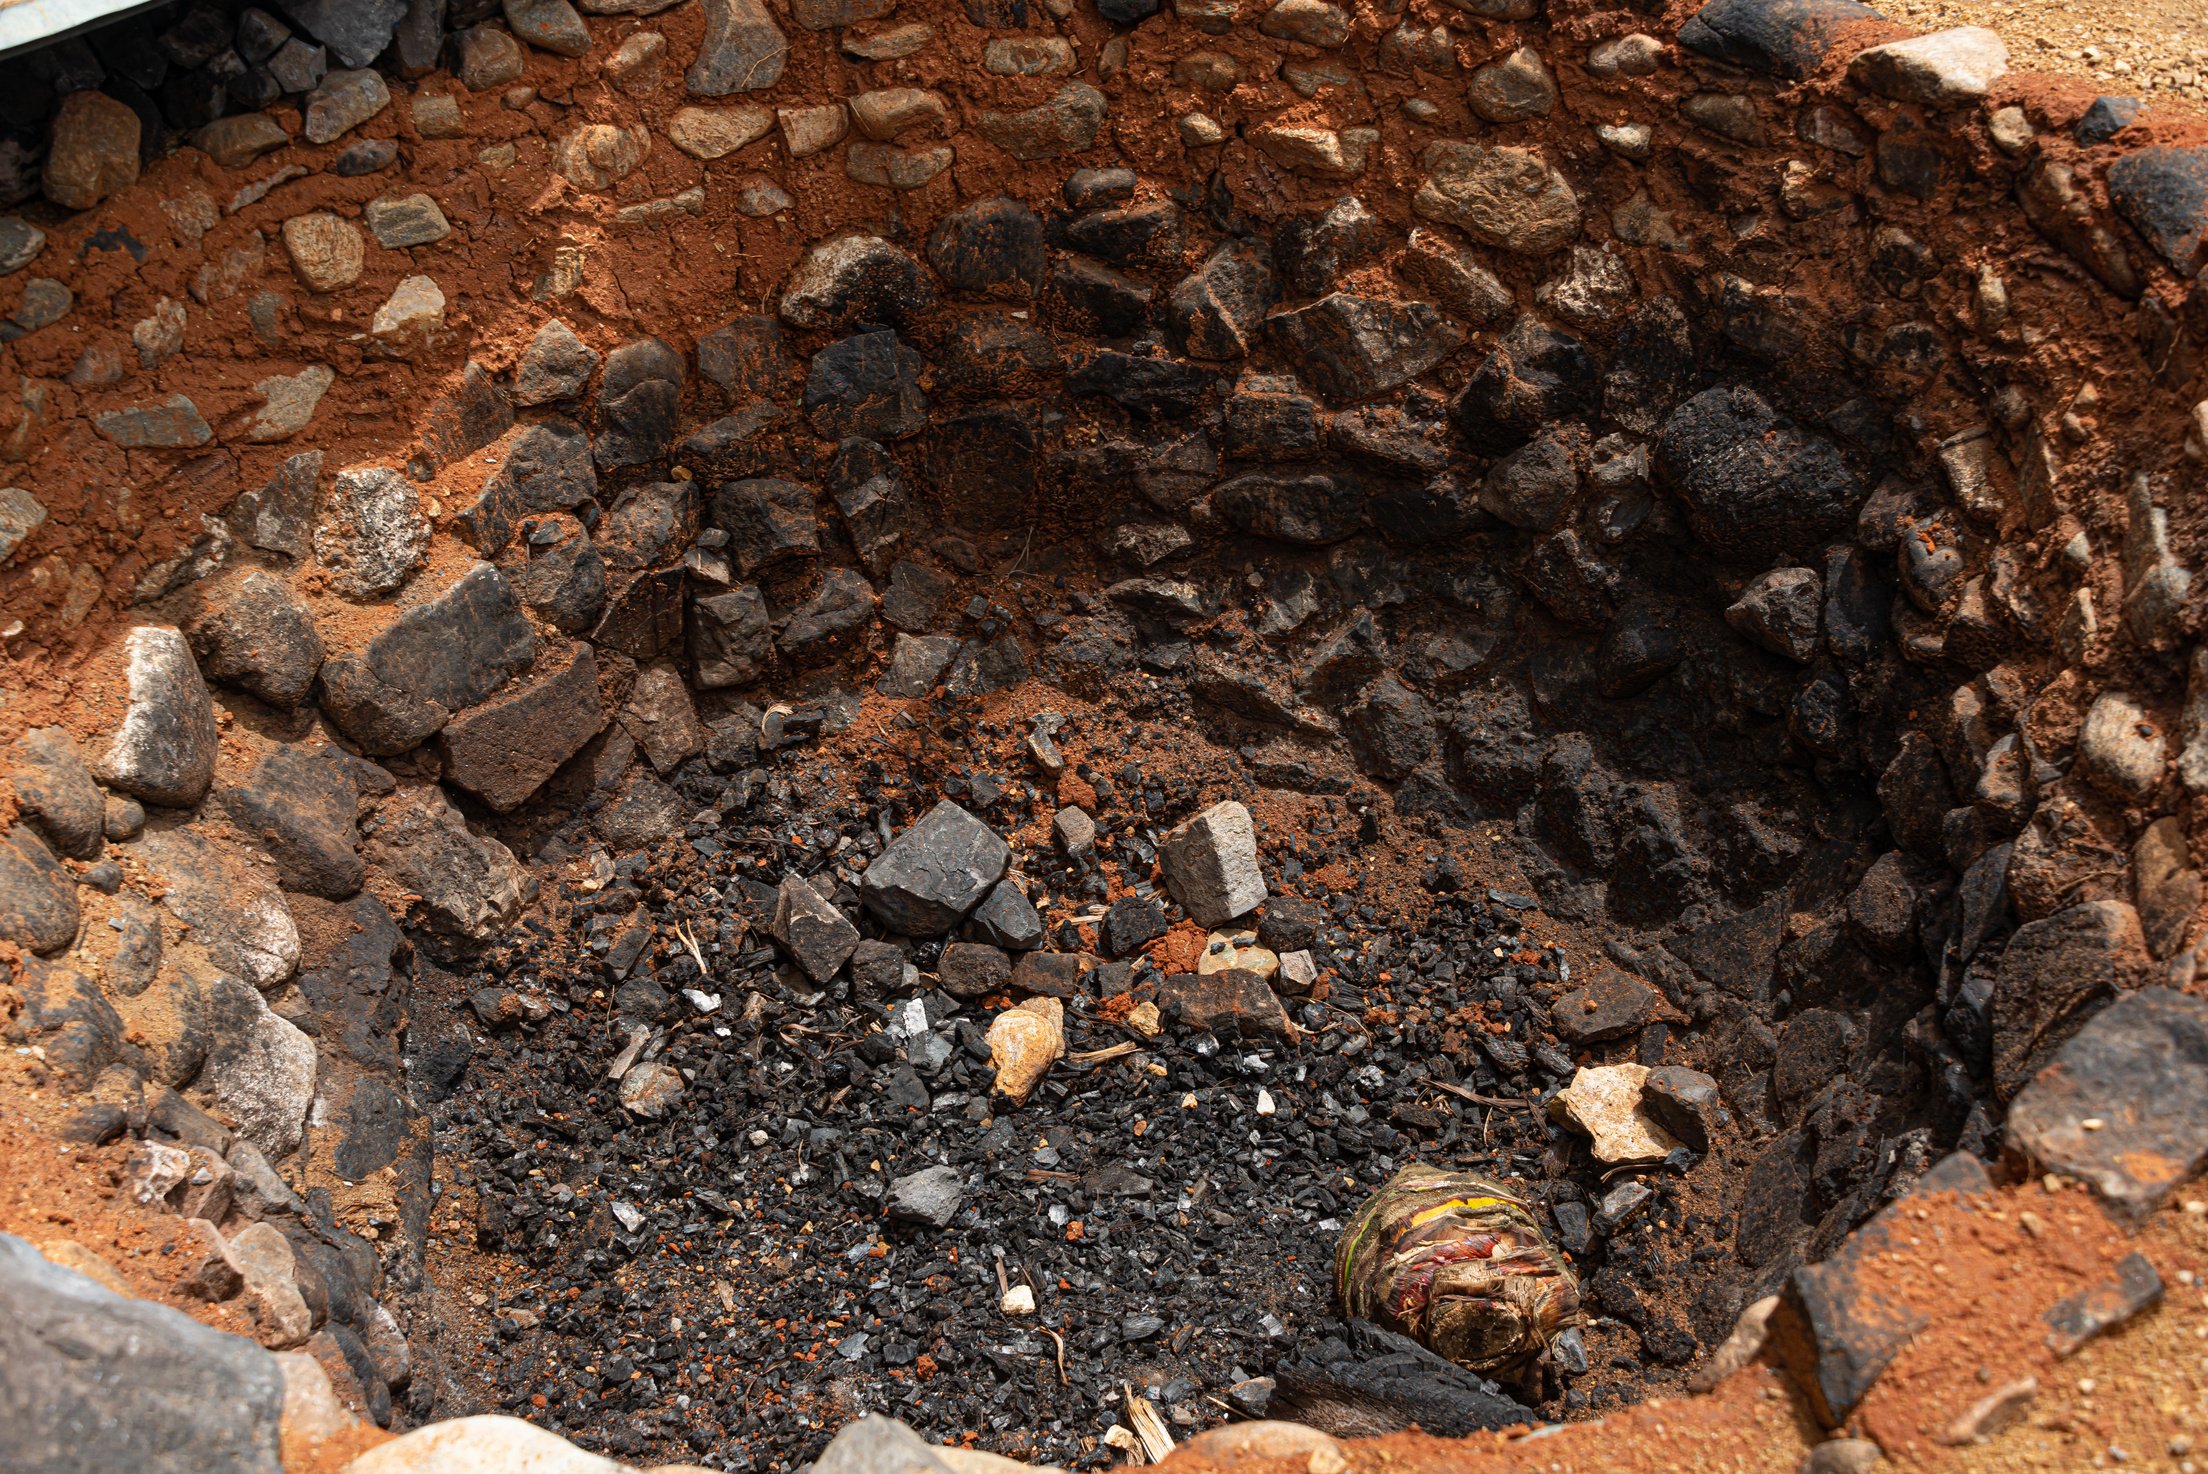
column 487, row 1443
column 1210, row 865
column 1024, row 1042
column 163, row 751
column 1942, row 69
column 1605, row 1102
column 271, row 1271
column 409, row 318
column 2121, row 748
column 260, row 1069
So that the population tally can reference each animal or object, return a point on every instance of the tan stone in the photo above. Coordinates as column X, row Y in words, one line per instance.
column 326, row 250
column 886, row 112
column 1320, row 153
column 410, row 318
column 889, row 167
column 716, row 132
column 1604, row 1101
column 93, row 152
column 1237, row 947
column 1024, row 1042
column 810, row 130
column 597, row 156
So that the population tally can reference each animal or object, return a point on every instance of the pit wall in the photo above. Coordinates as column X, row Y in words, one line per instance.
column 1760, row 468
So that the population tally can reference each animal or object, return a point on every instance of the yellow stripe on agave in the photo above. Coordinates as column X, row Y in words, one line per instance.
column 1421, row 1219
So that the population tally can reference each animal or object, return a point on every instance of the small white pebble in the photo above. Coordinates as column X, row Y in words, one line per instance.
column 1264, row 1102
column 2091, row 1123
column 2086, row 1385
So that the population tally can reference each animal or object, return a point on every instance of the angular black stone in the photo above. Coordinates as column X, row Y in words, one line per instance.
column 866, row 385
column 435, row 659
column 990, row 248
column 935, row 872
column 1755, row 485
column 1790, row 38
column 1536, row 375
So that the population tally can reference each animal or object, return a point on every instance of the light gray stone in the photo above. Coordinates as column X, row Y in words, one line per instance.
column 98, row 1382
column 372, row 535
column 1210, row 865
column 935, row 872
column 930, row 1196
column 743, row 50
column 815, row 934
column 260, row 1069
column 2122, row 750
column 344, row 101
column 1942, row 69
column 164, row 749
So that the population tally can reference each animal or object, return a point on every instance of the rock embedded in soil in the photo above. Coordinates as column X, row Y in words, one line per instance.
column 372, row 535
column 103, row 1381
column 1066, row 124
column 56, row 791
column 2052, row 973
column 1503, row 196
column 815, row 934
column 1943, row 69
column 344, row 101
column 1210, row 865
column 400, row 221
column 557, row 365
column 300, row 804
column 1789, row 40
column 325, row 250
column 164, row 749
column 934, row 873
column 254, row 633
column 713, row 133
column 743, row 50
column 1832, row 1331
column 38, row 898
column 2123, row 1104
column 438, row 657
column 1233, row 1004
column 92, row 150
column 506, row 748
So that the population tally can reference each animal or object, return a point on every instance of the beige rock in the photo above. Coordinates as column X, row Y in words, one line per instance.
column 1237, row 1444
column 1507, row 197
column 757, row 195
column 888, row 45
column 809, row 130
column 1025, row 56
column 313, row 1414
column 410, row 317
column 887, row 112
column 1200, row 130
column 486, row 1443
column 290, row 402
column 238, row 140
column 70, row 1254
column 890, row 167
column 1320, row 153
column 637, row 65
column 1999, row 1410
column 597, row 156
column 1605, row 1102
column 264, row 1257
column 716, row 132
column 1237, row 947
column 437, row 115
column 1024, row 1042
column 1743, row 1346
column 326, row 250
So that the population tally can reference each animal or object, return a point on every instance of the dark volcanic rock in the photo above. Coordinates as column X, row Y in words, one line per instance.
column 1092, row 297
column 2163, row 192
column 830, row 621
column 1153, row 385
column 855, row 279
column 504, row 749
column 935, row 872
column 1535, row 376
column 866, row 385
column 818, row 936
column 436, row 659
column 255, row 635
column 1834, row 1328
column 1216, row 311
column 1312, row 507
column 769, row 523
column 1356, row 347
column 872, row 498
column 1233, row 1003
column 1613, row 1005
column 56, row 790
column 2053, row 972
column 2140, row 1069
column 300, row 803
column 990, row 248
column 731, row 638
column 1788, row 37
column 1390, row 729
column 1755, row 485
column 101, row 1382
column 38, row 899
column 639, row 397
